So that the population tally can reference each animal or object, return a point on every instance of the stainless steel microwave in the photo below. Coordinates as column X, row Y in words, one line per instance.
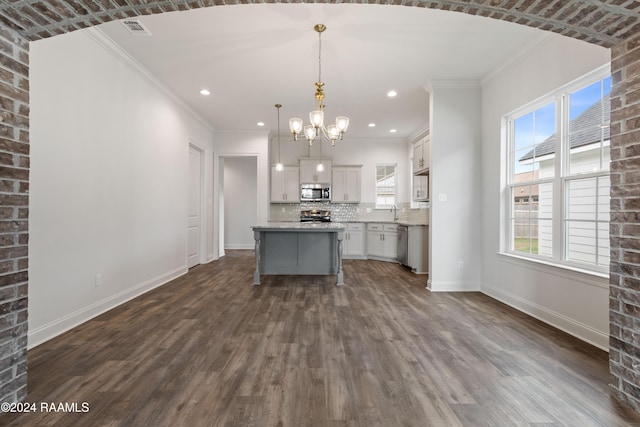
column 315, row 193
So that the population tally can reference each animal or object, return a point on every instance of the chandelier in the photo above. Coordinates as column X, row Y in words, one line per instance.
column 316, row 128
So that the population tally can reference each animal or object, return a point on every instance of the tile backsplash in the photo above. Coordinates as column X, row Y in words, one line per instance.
column 348, row 212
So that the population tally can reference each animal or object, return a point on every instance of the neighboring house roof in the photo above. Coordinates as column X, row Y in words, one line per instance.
column 582, row 131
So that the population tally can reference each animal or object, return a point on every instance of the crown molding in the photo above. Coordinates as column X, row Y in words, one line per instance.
column 525, row 52
column 451, row 84
column 130, row 62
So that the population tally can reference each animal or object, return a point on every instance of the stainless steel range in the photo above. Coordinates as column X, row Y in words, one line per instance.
column 315, row 215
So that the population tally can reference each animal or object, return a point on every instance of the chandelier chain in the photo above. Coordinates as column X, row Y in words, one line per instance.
column 319, row 56
column 278, row 107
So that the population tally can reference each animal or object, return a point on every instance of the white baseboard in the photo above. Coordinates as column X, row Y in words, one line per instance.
column 52, row 329
column 239, row 246
column 354, row 257
column 579, row 330
column 444, row 286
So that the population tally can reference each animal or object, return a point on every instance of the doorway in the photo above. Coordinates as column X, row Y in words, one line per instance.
column 194, row 209
column 241, row 201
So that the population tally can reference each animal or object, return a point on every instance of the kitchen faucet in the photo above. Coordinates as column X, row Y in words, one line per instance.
column 394, row 209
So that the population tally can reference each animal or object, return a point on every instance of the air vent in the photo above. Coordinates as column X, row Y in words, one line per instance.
column 135, row 27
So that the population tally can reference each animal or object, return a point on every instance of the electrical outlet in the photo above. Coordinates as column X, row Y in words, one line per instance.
column 368, row 210
column 460, row 265
column 98, row 280
column 283, row 210
column 442, row 197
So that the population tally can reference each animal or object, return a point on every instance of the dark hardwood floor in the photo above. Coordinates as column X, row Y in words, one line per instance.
column 210, row 349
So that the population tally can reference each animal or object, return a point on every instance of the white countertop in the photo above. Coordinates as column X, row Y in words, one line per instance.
column 411, row 223
column 295, row 225
column 300, row 226
column 373, row 221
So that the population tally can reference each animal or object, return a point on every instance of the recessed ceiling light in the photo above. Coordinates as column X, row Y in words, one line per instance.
column 372, row 125
column 392, row 93
column 260, row 123
column 393, row 131
column 205, row 92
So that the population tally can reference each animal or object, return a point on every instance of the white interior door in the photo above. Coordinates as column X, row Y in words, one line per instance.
column 195, row 201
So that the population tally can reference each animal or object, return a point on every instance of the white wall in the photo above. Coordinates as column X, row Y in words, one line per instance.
column 108, row 195
column 240, row 206
column 572, row 301
column 455, row 212
column 353, row 151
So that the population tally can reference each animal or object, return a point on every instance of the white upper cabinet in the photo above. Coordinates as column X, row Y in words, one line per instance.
column 315, row 171
column 285, row 185
column 345, row 184
column 421, row 152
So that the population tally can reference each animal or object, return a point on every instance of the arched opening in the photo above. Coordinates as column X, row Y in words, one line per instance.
column 608, row 25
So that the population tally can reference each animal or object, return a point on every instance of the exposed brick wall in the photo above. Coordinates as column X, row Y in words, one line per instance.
column 624, row 301
column 606, row 23
column 14, row 213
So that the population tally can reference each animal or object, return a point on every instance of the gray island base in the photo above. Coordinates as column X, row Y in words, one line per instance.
column 293, row 248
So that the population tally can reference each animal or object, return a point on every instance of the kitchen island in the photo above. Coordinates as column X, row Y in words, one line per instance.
column 297, row 248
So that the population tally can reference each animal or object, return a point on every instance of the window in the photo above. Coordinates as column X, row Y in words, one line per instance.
column 385, row 186
column 558, row 205
column 586, row 185
column 533, row 171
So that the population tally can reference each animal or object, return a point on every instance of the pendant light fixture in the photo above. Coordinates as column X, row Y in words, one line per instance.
column 316, row 128
column 279, row 166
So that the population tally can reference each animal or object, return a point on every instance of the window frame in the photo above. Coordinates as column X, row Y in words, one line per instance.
column 395, row 185
column 560, row 181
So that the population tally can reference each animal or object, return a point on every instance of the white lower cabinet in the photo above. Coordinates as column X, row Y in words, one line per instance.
column 353, row 242
column 382, row 241
column 419, row 248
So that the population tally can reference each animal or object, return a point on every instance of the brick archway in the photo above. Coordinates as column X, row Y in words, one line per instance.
column 612, row 24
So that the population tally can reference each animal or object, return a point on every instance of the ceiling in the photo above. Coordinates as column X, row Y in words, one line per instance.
column 251, row 57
